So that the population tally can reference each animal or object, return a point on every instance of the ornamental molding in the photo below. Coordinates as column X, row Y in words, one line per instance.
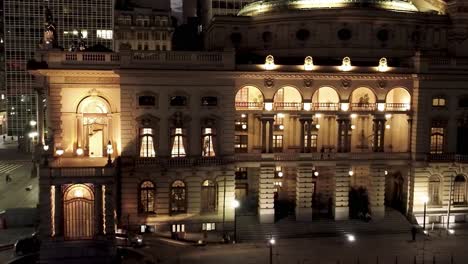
column 105, row 80
column 308, row 83
column 74, row 72
column 323, row 76
column 269, row 82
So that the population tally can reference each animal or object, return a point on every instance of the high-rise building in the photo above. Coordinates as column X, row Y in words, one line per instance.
column 211, row 8
column 91, row 21
column 2, row 75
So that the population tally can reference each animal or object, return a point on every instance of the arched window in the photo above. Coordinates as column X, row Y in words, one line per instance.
column 434, row 190
column 249, row 97
column 147, row 197
column 437, row 140
column 208, row 196
column 459, row 190
column 325, row 99
column 147, row 143
column 288, row 98
column 178, row 197
column 208, row 142
column 398, row 99
column 178, row 143
column 363, row 99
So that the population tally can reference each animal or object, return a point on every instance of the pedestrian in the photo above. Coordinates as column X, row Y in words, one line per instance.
column 4, row 138
column 8, row 178
column 413, row 233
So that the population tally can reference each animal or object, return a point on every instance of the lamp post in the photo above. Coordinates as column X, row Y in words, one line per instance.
column 271, row 242
column 110, row 150
column 425, row 199
column 235, row 204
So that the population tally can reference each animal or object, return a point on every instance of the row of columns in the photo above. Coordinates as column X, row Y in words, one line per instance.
column 307, row 125
column 304, row 192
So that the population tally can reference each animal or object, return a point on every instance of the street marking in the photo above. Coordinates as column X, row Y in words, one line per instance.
column 7, row 168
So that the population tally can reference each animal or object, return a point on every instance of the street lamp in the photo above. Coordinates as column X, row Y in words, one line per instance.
column 271, row 242
column 235, row 204
column 110, row 150
column 425, row 199
column 32, row 123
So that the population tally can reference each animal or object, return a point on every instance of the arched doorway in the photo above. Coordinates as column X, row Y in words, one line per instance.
column 78, row 205
column 394, row 194
column 178, row 197
column 208, row 196
column 93, row 125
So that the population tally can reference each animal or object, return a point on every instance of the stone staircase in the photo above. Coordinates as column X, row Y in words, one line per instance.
column 248, row 228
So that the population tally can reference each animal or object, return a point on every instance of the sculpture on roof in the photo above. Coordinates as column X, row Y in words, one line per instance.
column 50, row 39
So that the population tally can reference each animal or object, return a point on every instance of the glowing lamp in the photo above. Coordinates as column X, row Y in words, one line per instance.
column 351, row 173
column 280, row 174
column 243, row 115
column 78, row 193
column 281, row 127
column 381, row 107
column 317, row 126
column 32, row 123
column 386, row 172
column 268, row 106
column 353, row 115
column 344, row 107
column 351, row 238
column 387, row 126
column 425, row 199
column 269, row 63
column 318, row 115
column 235, row 203
column 353, row 126
column 383, row 67
column 308, row 63
column 272, row 241
column 307, row 106
column 59, row 152
column 33, row 134
column 388, row 116
column 45, row 147
column 316, row 173
column 244, row 126
column 346, row 64
column 79, row 151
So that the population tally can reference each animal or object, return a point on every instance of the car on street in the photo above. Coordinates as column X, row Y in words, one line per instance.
column 27, row 245
column 125, row 239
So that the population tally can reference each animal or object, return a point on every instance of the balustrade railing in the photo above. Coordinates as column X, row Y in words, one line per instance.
column 397, row 106
column 447, row 157
column 363, row 106
column 295, row 106
column 249, row 105
column 81, row 172
column 325, row 106
column 182, row 161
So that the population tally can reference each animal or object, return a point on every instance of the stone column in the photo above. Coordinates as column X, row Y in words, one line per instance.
column 264, row 136
column 271, row 123
column 347, row 135
column 59, row 219
column 304, row 192
column 79, row 130
column 341, row 195
column 340, row 135
column 410, row 134
column 98, row 216
column 266, row 206
column 301, row 140
column 309, row 136
column 109, row 209
column 40, row 117
column 377, row 191
column 344, row 143
column 379, row 133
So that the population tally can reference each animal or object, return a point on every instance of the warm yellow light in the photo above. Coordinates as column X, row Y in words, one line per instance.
column 387, row 126
column 307, row 106
column 280, row 174
column 269, row 63
column 243, row 115
column 317, row 126
column 79, row 151
column 383, row 67
column 353, row 115
column 235, row 203
column 350, row 173
column 32, row 123
column 318, row 115
column 424, row 198
column 268, row 106
column 33, row 134
column 59, row 152
column 280, row 115
column 45, row 147
column 381, row 107
column 78, row 192
column 244, row 126
column 316, row 173
column 308, row 63
column 388, row 116
column 353, row 126
column 346, row 64
column 344, row 106
column 281, row 127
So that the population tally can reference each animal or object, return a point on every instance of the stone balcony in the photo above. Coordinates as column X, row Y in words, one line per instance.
column 447, row 157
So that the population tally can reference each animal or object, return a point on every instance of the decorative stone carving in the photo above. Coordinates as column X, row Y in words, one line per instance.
column 382, row 83
column 308, row 83
column 346, row 83
column 269, row 82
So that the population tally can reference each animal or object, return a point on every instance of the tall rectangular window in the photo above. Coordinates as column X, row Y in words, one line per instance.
column 208, row 137
column 277, row 143
column 437, row 140
column 240, row 143
column 178, row 146
column 147, row 143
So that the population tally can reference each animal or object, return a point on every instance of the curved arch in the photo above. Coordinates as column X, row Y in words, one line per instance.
column 249, row 97
column 147, row 199
column 325, row 98
column 398, row 99
column 287, row 98
column 94, row 105
column 362, row 99
column 178, row 197
column 78, row 191
column 459, row 189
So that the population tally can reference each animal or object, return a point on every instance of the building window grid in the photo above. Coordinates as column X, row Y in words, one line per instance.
column 147, row 148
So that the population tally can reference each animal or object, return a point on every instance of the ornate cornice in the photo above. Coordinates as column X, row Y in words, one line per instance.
column 324, row 76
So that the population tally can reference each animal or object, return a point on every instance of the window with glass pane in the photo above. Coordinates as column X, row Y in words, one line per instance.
column 278, row 143
column 437, row 140
column 178, row 197
column 208, row 196
column 208, row 143
column 240, row 143
column 147, row 197
column 438, row 101
column 459, row 190
column 434, row 187
column 178, row 148
column 147, row 143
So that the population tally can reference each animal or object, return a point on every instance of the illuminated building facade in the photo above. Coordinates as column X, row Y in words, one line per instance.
column 302, row 114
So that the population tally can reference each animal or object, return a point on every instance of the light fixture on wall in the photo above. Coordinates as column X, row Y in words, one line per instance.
column 317, row 126
column 383, row 67
column 318, row 115
column 59, row 152
column 316, row 173
column 244, row 126
column 307, row 106
column 350, row 173
column 243, row 115
column 79, row 151
column 308, row 63
column 387, row 126
column 32, row 123
column 353, row 127
column 353, row 115
column 388, row 116
column 344, row 107
column 45, row 147
column 281, row 127
column 381, row 107
column 268, row 106
column 269, row 63
column 346, row 64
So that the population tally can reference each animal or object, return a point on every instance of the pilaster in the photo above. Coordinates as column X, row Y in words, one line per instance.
column 377, row 191
column 304, row 192
column 341, row 195
column 266, row 207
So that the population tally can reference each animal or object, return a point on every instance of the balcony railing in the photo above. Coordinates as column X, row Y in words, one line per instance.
column 325, row 106
column 447, row 157
column 294, row 106
column 182, row 161
column 249, row 105
column 80, row 172
column 363, row 106
column 397, row 107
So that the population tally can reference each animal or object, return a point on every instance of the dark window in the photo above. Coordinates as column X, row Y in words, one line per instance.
column 209, row 101
column 178, row 100
column 302, row 34
column 382, row 35
column 463, row 102
column 241, row 173
column 208, row 196
column 240, row 143
column 236, row 38
column 267, row 36
column 146, row 100
column 344, row 34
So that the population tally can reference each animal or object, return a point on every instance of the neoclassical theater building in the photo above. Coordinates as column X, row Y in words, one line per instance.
column 293, row 106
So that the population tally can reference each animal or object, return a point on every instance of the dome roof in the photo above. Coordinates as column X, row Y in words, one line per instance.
column 274, row 6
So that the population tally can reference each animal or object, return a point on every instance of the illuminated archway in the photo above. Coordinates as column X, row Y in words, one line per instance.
column 249, row 97
column 363, row 99
column 78, row 208
column 398, row 99
column 325, row 98
column 287, row 98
